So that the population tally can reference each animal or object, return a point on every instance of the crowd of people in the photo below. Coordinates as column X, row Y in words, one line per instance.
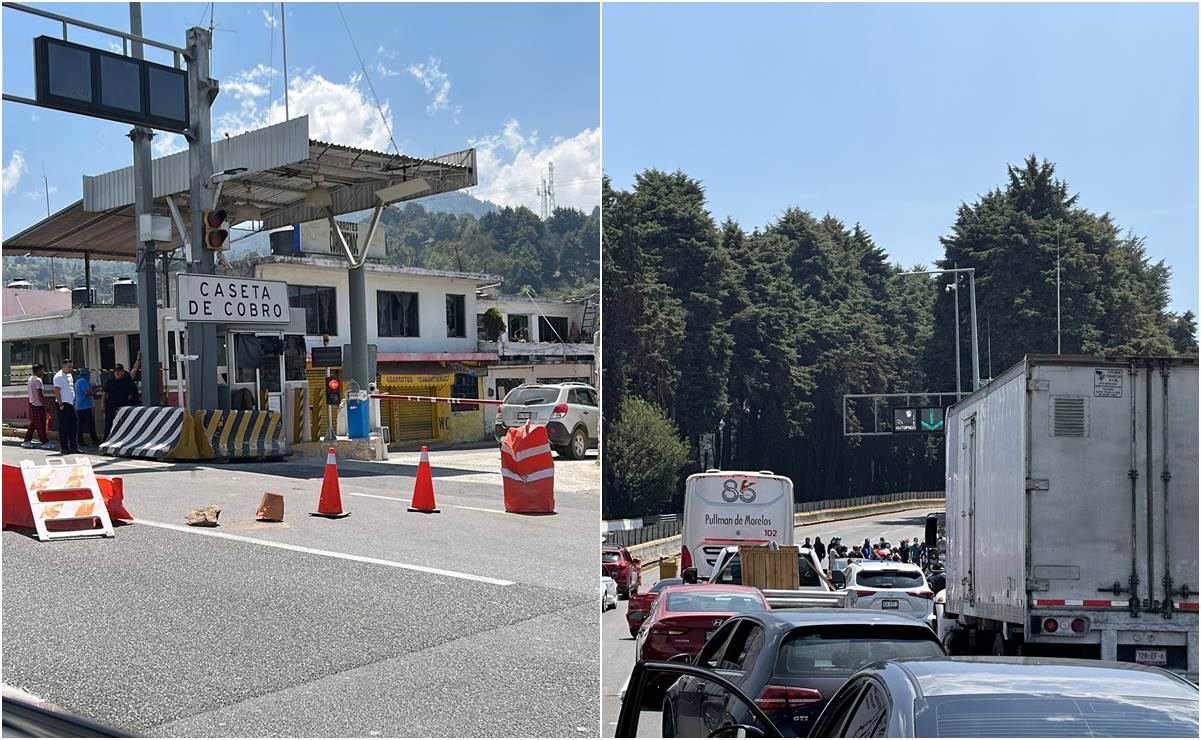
column 907, row 551
column 73, row 404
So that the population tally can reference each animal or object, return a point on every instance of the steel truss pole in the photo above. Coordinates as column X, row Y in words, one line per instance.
column 202, row 337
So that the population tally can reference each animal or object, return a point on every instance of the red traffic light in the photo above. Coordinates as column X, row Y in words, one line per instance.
column 214, row 219
column 333, row 384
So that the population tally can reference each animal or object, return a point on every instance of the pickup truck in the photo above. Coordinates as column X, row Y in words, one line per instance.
column 816, row 589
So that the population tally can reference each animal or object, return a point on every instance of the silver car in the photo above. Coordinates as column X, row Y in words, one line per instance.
column 891, row 586
column 568, row 410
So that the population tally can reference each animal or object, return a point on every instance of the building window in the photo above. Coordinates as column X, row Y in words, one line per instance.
column 320, row 306
column 552, row 328
column 481, row 329
column 396, row 314
column 108, row 353
column 466, row 386
column 294, row 357
column 456, row 316
column 519, row 328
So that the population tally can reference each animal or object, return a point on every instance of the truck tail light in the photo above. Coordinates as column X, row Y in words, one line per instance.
column 559, row 411
column 1050, row 625
column 1079, row 625
column 786, row 697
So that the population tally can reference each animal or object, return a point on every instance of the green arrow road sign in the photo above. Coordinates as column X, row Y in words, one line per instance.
column 935, row 422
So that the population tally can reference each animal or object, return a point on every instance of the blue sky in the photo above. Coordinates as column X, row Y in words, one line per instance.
column 518, row 81
column 892, row 115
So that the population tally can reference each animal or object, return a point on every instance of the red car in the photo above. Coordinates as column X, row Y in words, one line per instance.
column 684, row 617
column 623, row 568
column 641, row 603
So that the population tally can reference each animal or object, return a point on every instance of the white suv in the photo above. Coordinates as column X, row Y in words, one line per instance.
column 569, row 411
column 891, row 586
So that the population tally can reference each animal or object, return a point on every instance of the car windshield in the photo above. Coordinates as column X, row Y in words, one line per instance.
column 844, row 650
column 890, row 579
column 1011, row 715
column 714, row 601
column 608, row 557
column 531, row 396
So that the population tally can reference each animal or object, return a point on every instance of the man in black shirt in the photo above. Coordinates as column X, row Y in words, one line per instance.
column 118, row 392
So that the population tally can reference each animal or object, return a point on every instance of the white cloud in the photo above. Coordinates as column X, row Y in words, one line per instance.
column 116, row 47
column 39, row 195
column 269, row 19
column 13, row 171
column 341, row 112
column 436, row 82
column 164, row 144
column 512, row 164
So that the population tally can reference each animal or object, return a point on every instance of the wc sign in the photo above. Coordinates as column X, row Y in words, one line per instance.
column 227, row 300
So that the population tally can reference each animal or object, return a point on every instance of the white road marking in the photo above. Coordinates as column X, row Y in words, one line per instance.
column 401, row 500
column 477, row 508
column 327, row 553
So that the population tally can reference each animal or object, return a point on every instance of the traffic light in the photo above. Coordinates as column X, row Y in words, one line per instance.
column 215, row 233
column 333, row 391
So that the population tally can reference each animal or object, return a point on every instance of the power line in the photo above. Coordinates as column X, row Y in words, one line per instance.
column 367, row 77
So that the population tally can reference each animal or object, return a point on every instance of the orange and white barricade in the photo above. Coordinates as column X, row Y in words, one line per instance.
column 528, row 471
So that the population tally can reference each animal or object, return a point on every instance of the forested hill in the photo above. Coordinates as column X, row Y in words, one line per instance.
column 756, row 336
column 558, row 257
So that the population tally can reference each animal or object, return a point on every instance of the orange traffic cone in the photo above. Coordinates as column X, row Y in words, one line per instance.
column 423, row 492
column 330, row 504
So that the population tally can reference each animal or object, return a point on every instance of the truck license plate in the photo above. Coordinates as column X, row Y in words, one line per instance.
column 1151, row 656
column 890, row 604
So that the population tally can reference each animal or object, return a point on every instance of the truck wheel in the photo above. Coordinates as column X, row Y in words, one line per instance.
column 956, row 642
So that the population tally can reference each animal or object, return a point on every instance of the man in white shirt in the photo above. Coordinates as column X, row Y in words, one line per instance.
column 64, row 393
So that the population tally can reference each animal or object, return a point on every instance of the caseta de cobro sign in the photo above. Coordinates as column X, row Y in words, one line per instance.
column 229, row 300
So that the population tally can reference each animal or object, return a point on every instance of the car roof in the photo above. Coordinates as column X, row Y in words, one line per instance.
column 732, row 588
column 887, row 565
column 786, row 620
column 1065, row 677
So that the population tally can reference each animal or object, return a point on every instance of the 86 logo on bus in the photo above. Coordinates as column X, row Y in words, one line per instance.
column 731, row 491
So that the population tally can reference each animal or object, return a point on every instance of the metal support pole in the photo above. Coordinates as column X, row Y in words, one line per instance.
column 143, row 189
column 958, row 382
column 202, row 337
column 87, row 275
column 358, row 327
column 975, row 333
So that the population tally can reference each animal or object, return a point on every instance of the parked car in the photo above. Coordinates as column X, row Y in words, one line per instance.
column 608, row 592
column 789, row 663
column 891, row 586
column 992, row 696
column 640, row 603
column 623, row 568
column 569, row 411
column 683, row 617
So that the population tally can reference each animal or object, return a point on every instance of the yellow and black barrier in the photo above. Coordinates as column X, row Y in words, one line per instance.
column 242, row 435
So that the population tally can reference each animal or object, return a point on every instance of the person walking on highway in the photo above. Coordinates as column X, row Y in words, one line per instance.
column 904, row 550
column 37, row 410
column 85, row 404
column 866, row 551
column 64, row 393
column 819, row 549
column 118, row 392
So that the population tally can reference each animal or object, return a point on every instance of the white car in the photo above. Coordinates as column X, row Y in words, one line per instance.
column 891, row 586
column 608, row 592
column 569, row 411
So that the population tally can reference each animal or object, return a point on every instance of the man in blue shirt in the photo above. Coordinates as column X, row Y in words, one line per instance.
column 85, row 405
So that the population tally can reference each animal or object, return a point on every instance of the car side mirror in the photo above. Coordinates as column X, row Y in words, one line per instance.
column 635, row 614
column 636, row 561
column 688, row 575
column 646, row 672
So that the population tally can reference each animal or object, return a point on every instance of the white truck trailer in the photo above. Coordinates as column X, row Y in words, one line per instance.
column 1072, row 512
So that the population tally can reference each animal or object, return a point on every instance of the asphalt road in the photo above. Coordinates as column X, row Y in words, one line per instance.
column 471, row 622
column 617, row 647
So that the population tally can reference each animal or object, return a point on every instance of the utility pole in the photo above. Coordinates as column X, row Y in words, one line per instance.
column 143, row 199
column 202, row 337
column 283, row 27
column 971, row 292
column 958, row 381
column 1058, row 321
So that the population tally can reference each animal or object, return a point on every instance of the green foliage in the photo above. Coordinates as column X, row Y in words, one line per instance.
column 644, row 456
column 494, row 324
column 555, row 258
column 757, row 337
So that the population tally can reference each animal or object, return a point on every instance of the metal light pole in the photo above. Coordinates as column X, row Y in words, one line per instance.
column 143, row 196
column 202, row 337
column 971, row 273
column 958, row 363
column 1058, row 322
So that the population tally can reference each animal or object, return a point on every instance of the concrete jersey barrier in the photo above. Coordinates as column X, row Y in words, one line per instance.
column 244, row 435
column 144, row 431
